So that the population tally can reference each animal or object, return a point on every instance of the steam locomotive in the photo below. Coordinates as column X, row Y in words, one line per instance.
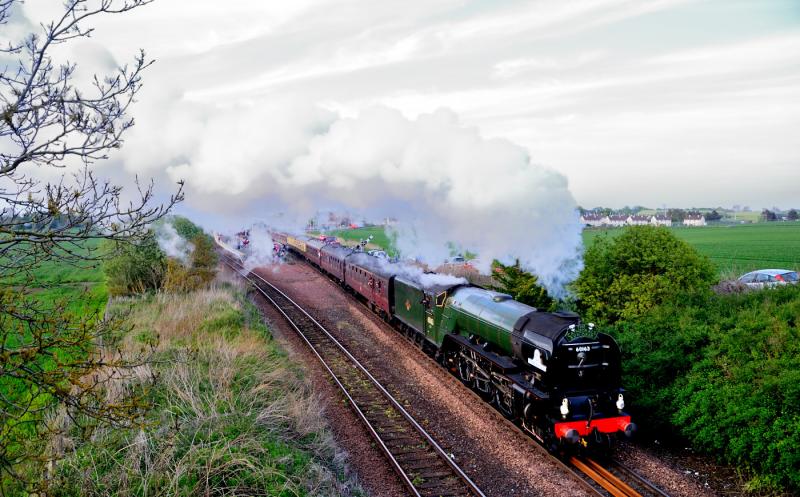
column 555, row 376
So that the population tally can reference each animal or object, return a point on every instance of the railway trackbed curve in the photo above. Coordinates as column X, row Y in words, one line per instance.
column 610, row 478
column 423, row 466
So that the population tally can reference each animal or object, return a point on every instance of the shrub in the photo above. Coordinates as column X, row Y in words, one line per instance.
column 645, row 266
column 200, row 271
column 724, row 372
column 136, row 268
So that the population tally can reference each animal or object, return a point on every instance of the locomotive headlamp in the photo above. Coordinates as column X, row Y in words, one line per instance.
column 620, row 402
column 564, row 408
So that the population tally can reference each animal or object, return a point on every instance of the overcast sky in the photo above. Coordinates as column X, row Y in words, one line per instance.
column 660, row 102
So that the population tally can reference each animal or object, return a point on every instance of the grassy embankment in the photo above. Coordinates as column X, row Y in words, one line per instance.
column 733, row 249
column 231, row 415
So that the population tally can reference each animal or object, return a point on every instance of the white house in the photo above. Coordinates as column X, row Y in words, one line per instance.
column 661, row 220
column 636, row 220
column 591, row 219
column 694, row 219
column 616, row 220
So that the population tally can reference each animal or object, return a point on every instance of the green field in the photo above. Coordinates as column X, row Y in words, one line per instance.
column 82, row 286
column 379, row 236
column 734, row 249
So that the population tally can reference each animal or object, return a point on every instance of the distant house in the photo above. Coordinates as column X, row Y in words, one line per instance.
column 661, row 220
column 616, row 220
column 694, row 219
column 592, row 219
column 636, row 220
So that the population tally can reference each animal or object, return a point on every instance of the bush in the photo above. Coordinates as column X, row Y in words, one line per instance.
column 724, row 372
column 198, row 274
column 645, row 266
column 136, row 268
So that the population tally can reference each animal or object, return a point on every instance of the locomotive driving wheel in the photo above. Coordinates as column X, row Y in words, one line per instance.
column 466, row 371
column 504, row 403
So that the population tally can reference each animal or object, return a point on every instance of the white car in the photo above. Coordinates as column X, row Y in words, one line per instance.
column 769, row 277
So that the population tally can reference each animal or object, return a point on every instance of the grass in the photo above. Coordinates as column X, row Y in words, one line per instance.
column 736, row 249
column 82, row 286
column 231, row 414
column 76, row 291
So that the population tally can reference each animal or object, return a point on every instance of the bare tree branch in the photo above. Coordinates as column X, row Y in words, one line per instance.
column 50, row 358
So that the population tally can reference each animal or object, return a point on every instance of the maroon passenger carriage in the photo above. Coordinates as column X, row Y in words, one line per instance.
column 313, row 251
column 364, row 274
column 332, row 260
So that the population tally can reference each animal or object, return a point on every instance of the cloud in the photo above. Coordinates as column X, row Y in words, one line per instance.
column 442, row 179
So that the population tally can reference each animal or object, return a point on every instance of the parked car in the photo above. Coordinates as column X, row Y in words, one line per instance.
column 769, row 277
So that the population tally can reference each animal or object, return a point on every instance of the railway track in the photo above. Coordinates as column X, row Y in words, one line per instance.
column 612, row 478
column 423, row 466
column 615, row 479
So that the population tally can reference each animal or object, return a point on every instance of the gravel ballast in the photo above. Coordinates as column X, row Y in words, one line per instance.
column 500, row 459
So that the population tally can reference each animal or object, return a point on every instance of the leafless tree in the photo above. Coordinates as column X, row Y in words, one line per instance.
column 50, row 359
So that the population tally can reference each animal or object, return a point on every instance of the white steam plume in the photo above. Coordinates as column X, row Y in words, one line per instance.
column 260, row 249
column 173, row 244
column 442, row 180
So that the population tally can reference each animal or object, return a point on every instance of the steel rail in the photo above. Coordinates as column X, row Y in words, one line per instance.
column 640, row 482
column 410, row 456
column 643, row 482
column 591, row 488
column 610, row 482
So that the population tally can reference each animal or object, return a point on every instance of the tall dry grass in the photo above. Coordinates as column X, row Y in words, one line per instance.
column 231, row 414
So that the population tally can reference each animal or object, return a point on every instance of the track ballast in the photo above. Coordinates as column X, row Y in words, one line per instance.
column 425, row 469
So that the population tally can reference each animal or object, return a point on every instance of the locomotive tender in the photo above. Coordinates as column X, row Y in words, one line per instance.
column 556, row 377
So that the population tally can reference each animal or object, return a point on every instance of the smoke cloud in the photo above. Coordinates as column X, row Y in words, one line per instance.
column 260, row 250
column 444, row 183
column 172, row 244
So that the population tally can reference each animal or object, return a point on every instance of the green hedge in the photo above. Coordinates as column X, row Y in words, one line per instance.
column 724, row 372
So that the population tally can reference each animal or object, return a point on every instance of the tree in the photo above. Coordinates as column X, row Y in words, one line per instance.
column 792, row 216
column 185, row 228
column 135, row 267
column 53, row 360
column 521, row 285
column 768, row 215
column 713, row 216
column 626, row 276
column 677, row 215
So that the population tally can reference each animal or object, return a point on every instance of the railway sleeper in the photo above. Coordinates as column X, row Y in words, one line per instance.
column 419, row 461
